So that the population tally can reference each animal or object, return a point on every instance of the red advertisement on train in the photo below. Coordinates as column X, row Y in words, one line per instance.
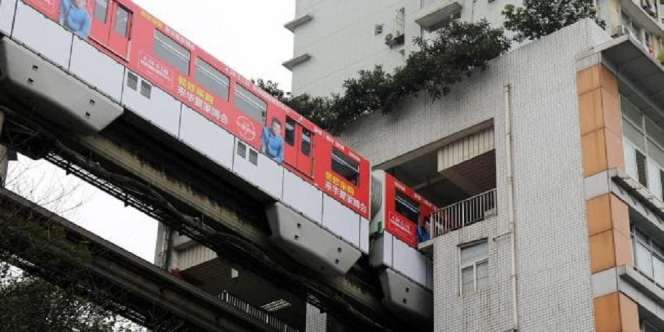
column 158, row 53
column 404, row 209
column 323, row 160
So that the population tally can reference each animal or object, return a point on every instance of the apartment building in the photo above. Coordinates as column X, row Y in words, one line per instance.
column 550, row 166
column 565, row 135
column 335, row 39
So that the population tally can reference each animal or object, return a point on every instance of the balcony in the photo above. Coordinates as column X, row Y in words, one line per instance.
column 464, row 213
column 644, row 16
column 258, row 314
column 298, row 22
column 435, row 13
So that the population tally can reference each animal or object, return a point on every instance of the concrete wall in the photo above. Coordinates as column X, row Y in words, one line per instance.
column 341, row 37
column 316, row 320
column 553, row 262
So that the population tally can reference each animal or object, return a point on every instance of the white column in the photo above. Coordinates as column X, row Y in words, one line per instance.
column 4, row 155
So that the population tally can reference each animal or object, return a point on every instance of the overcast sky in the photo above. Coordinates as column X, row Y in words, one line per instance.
column 247, row 35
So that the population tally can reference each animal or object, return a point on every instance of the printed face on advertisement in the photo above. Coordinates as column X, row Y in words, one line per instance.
column 276, row 128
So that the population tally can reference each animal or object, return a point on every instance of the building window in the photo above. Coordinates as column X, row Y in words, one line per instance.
column 400, row 22
column 474, row 270
column 661, row 185
column 172, row 52
column 250, row 104
column 644, row 147
column 648, row 256
column 345, row 166
column 641, row 168
column 212, row 79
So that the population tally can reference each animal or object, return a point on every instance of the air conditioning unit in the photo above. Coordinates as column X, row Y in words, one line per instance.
column 395, row 39
column 620, row 30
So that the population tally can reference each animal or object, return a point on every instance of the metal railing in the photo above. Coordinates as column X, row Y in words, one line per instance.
column 463, row 213
column 255, row 313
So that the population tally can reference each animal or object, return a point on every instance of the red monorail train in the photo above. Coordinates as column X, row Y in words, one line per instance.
column 96, row 60
column 170, row 61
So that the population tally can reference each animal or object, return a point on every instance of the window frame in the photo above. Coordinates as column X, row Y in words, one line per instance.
column 237, row 91
column 649, row 134
column 290, row 132
column 307, row 142
column 172, row 49
column 642, row 168
column 409, row 201
column 340, row 157
column 94, row 12
column 484, row 259
column 201, row 63
column 654, row 251
column 128, row 23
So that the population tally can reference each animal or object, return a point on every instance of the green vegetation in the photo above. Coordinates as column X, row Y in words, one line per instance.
column 538, row 18
column 28, row 303
column 457, row 51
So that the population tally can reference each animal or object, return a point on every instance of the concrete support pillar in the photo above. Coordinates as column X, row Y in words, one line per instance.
column 163, row 252
column 4, row 155
column 607, row 215
column 316, row 320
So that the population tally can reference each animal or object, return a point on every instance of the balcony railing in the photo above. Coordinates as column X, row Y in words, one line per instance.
column 255, row 313
column 463, row 213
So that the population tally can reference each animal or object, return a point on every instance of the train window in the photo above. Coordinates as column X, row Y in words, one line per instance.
column 290, row 132
column 406, row 206
column 253, row 157
column 101, row 10
column 212, row 79
column 172, row 52
column 122, row 21
column 146, row 89
column 132, row 81
column 250, row 104
column 241, row 150
column 346, row 167
column 306, row 142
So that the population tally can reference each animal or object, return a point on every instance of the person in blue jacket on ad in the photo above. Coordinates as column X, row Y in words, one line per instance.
column 75, row 17
column 423, row 229
column 273, row 143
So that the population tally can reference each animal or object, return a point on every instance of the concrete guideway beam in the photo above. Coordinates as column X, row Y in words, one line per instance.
column 144, row 288
column 216, row 225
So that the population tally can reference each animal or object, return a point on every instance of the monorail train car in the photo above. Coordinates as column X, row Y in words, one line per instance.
column 406, row 275
column 97, row 61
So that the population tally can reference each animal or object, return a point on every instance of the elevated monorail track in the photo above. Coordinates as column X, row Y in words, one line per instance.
column 202, row 203
column 57, row 250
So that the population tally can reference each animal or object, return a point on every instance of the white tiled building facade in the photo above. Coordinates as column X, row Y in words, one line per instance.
column 563, row 257
column 557, row 264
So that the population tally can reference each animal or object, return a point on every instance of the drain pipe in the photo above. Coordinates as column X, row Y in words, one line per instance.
column 510, row 202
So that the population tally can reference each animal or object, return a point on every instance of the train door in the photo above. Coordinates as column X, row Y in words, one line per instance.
column 299, row 147
column 111, row 26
